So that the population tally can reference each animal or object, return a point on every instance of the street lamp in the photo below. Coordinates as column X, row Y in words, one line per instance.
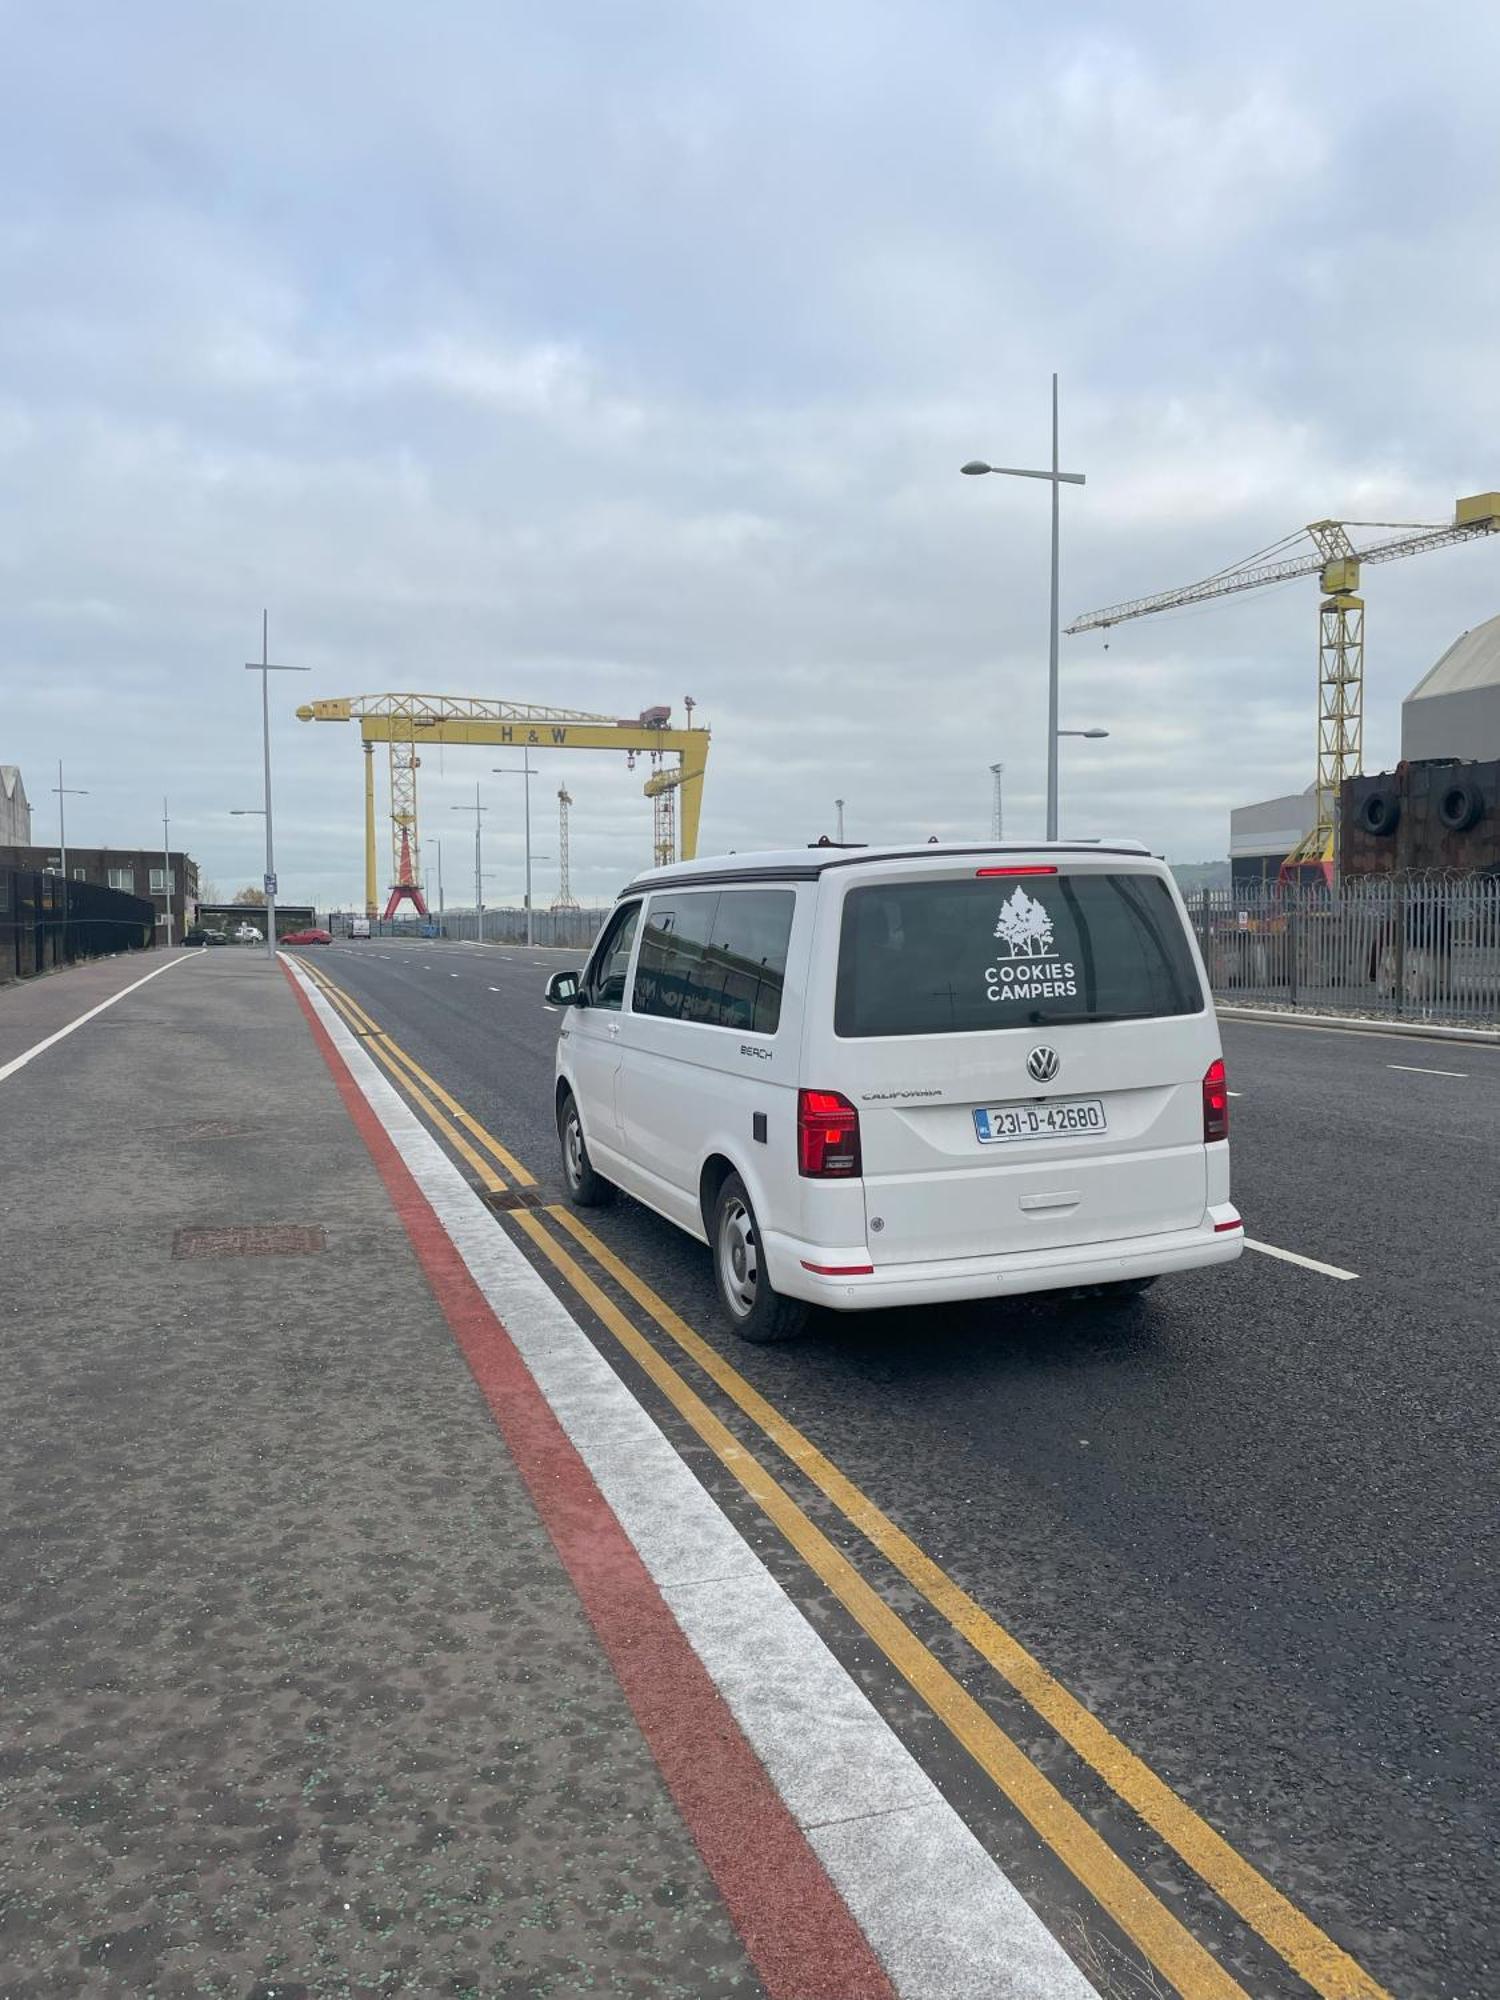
column 1058, row 480
column 522, row 770
column 838, row 806
column 166, row 862
column 64, row 793
column 478, row 811
column 265, row 668
column 1083, row 732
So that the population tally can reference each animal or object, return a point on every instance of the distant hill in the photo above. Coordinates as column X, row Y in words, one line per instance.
column 1201, row 874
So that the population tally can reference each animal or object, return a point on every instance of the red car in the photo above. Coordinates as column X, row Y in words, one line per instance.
column 307, row 937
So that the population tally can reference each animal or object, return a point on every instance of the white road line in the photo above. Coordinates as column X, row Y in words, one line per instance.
column 1421, row 1069
column 28, row 1055
column 494, row 989
column 1236, row 1093
column 453, row 975
column 1292, row 1257
column 945, row 1921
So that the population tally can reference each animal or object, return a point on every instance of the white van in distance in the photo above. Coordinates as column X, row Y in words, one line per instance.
column 891, row 1077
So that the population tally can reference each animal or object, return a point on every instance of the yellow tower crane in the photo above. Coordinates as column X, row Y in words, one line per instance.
column 406, row 723
column 1336, row 561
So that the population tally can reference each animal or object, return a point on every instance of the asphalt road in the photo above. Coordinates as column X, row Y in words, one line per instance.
column 1248, row 1520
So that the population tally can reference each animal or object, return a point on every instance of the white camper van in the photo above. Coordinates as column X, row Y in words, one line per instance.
column 890, row 1077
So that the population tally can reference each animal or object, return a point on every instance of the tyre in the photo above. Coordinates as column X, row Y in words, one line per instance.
column 1379, row 813
column 586, row 1189
column 1461, row 807
column 757, row 1312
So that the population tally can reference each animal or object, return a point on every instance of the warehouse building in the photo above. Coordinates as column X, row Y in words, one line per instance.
column 1263, row 835
column 15, row 813
column 1454, row 711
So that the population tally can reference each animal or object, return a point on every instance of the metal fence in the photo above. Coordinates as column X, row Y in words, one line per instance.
column 1417, row 947
column 46, row 920
column 571, row 930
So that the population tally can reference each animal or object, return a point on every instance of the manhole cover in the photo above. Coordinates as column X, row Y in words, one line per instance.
column 508, row 1199
column 261, row 1239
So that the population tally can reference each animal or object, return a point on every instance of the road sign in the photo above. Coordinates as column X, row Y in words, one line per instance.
column 268, row 883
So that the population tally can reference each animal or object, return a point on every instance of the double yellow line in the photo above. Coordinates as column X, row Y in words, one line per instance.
column 1161, row 1938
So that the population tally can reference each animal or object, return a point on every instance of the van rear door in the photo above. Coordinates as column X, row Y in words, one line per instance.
column 1026, row 1048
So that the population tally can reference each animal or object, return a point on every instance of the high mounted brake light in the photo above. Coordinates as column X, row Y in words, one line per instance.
column 1039, row 869
column 1215, row 1102
column 827, row 1136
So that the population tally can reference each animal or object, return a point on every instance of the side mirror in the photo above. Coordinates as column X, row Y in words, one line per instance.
column 562, row 989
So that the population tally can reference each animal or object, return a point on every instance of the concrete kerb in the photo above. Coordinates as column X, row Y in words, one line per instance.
column 1360, row 1024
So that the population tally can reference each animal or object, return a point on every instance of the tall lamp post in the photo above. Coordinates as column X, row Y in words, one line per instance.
column 64, row 793
column 265, row 668
column 166, row 863
column 523, row 771
column 1058, row 480
column 478, row 811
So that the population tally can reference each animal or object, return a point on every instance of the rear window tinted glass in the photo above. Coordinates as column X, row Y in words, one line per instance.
column 717, row 959
column 931, row 958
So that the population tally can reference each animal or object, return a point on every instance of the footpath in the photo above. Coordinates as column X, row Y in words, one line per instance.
column 297, row 1697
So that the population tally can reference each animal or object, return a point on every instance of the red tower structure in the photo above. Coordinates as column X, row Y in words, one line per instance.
column 404, row 888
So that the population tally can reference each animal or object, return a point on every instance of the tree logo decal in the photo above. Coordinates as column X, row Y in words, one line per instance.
column 1025, row 926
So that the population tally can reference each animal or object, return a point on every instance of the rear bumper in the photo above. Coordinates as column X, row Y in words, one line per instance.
column 999, row 1276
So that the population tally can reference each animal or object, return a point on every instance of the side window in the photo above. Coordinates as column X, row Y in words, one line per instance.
column 605, row 985
column 670, row 966
column 747, row 957
column 719, row 960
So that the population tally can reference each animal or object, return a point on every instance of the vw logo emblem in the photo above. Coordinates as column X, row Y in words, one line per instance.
column 1042, row 1065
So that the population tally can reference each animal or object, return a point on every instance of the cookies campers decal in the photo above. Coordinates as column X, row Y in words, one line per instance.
column 1031, row 972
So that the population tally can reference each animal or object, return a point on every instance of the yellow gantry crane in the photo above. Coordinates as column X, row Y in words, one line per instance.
column 406, row 723
column 1335, row 560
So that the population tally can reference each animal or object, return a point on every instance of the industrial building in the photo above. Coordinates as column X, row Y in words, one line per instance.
column 1440, row 807
column 1454, row 711
column 15, row 813
column 132, row 871
column 1263, row 835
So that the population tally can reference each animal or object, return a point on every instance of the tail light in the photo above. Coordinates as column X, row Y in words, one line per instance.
column 1215, row 1102
column 827, row 1136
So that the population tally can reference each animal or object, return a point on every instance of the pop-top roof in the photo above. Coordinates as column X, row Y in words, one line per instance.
column 805, row 863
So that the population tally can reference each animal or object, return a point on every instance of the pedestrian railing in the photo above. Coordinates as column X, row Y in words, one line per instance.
column 1423, row 947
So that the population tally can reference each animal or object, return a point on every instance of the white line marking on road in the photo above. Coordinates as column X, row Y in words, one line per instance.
column 494, row 989
column 1292, row 1257
column 19, row 1062
column 1236, row 1093
column 453, row 975
column 946, row 1922
column 1421, row 1069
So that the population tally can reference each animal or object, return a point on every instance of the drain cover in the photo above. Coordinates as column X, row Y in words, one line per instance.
column 507, row 1199
column 260, row 1239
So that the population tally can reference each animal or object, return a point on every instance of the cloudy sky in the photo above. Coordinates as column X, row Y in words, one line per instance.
column 602, row 355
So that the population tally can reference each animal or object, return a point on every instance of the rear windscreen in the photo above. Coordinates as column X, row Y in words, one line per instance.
column 933, row 958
